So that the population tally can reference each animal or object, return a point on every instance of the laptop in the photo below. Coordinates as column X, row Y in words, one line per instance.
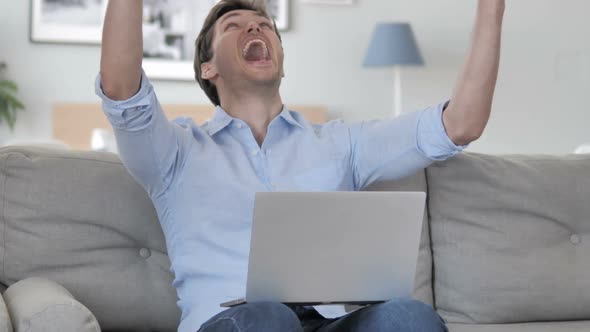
column 313, row 248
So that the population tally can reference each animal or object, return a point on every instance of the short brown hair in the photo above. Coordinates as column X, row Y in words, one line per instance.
column 203, row 51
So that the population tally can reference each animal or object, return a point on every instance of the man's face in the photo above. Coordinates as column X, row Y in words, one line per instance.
column 245, row 49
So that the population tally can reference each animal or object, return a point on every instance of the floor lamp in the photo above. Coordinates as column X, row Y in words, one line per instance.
column 394, row 45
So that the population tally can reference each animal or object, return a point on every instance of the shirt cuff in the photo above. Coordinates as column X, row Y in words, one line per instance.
column 433, row 139
column 115, row 109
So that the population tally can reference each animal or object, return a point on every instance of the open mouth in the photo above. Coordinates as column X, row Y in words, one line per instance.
column 256, row 51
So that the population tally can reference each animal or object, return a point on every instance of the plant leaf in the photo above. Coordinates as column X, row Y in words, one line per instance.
column 5, row 113
column 12, row 116
column 9, row 104
column 8, row 85
column 12, row 102
column 18, row 105
column 5, row 93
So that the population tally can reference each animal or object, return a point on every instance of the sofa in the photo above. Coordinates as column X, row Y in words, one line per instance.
column 505, row 244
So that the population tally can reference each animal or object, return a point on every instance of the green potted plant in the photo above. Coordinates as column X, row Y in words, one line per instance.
column 9, row 103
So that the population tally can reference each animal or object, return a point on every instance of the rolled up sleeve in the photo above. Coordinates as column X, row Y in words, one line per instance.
column 152, row 148
column 395, row 148
column 130, row 114
column 433, row 139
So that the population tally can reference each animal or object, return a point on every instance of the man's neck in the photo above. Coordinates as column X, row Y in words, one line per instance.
column 254, row 109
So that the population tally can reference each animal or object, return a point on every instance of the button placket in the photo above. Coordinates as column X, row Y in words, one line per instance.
column 271, row 184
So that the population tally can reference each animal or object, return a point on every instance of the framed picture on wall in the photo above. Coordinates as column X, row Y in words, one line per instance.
column 67, row 21
column 170, row 28
column 329, row 2
column 279, row 10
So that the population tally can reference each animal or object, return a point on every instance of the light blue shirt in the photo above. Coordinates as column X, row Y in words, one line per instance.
column 202, row 179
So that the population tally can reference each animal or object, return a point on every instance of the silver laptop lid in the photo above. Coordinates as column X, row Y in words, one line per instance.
column 334, row 247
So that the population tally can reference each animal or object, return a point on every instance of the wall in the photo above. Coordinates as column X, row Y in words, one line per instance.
column 539, row 105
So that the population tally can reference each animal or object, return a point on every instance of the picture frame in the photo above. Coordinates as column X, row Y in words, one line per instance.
column 329, row 2
column 67, row 21
column 169, row 30
column 279, row 10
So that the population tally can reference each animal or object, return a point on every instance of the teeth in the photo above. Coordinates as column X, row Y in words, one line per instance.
column 250, row 43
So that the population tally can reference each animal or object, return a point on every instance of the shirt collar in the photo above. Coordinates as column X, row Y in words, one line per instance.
column 286, row 114
column 221, row 119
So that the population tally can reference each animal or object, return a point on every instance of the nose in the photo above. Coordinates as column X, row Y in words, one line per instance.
column 253, row 27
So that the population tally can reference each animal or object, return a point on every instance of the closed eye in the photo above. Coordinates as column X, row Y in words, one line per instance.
column 231, row 26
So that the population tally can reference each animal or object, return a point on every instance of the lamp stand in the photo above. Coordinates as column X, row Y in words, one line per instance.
column 397, row 91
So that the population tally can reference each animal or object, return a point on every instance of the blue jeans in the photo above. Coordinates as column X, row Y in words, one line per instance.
column 397, row 315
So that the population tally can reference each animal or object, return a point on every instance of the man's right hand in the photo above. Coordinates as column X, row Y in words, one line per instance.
column 122, row 49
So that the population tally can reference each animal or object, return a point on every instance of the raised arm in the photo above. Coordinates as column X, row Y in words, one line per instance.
column 152, row 148
column 469, row 110
column 122, row 49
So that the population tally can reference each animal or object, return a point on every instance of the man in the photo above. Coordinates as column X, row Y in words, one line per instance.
column 202, row 179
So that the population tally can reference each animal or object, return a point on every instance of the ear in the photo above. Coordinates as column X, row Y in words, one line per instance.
column 208, row 71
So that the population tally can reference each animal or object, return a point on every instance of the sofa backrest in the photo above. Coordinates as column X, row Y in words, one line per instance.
column 423, row 280
column 511, row 238
column 78, row 218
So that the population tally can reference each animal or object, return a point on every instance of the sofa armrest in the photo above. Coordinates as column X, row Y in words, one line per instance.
column 37, row 304
column 5, row 323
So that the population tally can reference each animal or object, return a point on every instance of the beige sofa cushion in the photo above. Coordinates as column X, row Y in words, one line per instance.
column 423, row 280
column 78, row 218
column 5, row 322
column 41, row 305
column 511, row 238
column 578, row 326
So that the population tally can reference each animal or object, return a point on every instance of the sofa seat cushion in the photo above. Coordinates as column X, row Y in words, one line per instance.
column 573, row 326
column 511, row 238
column 41, row 305
column 80, row 219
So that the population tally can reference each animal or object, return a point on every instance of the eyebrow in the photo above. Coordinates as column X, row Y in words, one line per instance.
column 239, row 14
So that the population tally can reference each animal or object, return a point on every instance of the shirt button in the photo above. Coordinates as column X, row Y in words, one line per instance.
column 575, row 239
column 254, row 152
column 239, row 125
column 144, row 253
